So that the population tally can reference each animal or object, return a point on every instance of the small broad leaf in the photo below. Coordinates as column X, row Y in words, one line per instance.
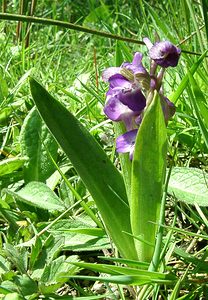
column 36, row 144
column 189, row 185
column 26, row 285
column 8, row 166
column 80, row 235
column 43, row 255
column 39, row 195
column 56, row 273
column 19, row 257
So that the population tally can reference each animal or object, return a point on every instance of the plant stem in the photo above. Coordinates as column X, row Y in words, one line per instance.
column 45, row 21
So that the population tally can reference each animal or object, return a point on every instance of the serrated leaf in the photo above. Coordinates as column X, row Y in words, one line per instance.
column 56, row 273
column 48, row 252
column 189, row 185
column 36, row 144
column 18, row 257
column 39, row 195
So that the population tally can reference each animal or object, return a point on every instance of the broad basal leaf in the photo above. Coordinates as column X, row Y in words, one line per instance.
column 100, row 176
column 148, row 171
column 37, row 144
column 189, row 185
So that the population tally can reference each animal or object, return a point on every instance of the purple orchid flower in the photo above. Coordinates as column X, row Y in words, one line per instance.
column 125, row 99
column 164, row 53
column 125, row 142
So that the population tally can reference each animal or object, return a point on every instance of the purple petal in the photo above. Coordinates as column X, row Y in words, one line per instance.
column 137, row 60
column 136, row 66
column 133, row 98
column 125, row 142
column 117, row 111
column 165, row 54
column 110, row 72
column 120, row 81
column 148, row 43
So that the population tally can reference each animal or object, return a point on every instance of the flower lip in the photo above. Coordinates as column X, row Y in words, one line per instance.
column 117, row 111
column 125, row 142
column 133, row 98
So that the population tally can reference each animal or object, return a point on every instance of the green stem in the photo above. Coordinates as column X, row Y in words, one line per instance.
column 45, row 21
column 158, row 246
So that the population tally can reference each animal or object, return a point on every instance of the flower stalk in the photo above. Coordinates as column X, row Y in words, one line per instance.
column 135, row 99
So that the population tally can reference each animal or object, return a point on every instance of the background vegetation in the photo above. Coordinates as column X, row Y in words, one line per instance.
column 40, row 237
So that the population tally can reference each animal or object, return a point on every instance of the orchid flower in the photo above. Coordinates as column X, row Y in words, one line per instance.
column 129, row 86
column 164, row 53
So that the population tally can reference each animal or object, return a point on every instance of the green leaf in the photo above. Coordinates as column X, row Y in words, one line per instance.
column 38, row 195
column 56, row 273
column 43, row 255
column 36, row 144
column 13, row 296
column 35, row 252
column 80, row 235
column 97, row 15
column 100, row 176
column 3, row 87
column 118, row 270
column 148, row 172
column 10, row 165
column 81, row 298
column 8, row 110
column 189, row 185
column 185, row 80
column 130, row 279
column 26, row 285
column 18, row 257
column 205, row 15
column 128, row 262
column 200, row 107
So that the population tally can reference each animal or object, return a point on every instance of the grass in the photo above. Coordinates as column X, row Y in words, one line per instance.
column 49, row 252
